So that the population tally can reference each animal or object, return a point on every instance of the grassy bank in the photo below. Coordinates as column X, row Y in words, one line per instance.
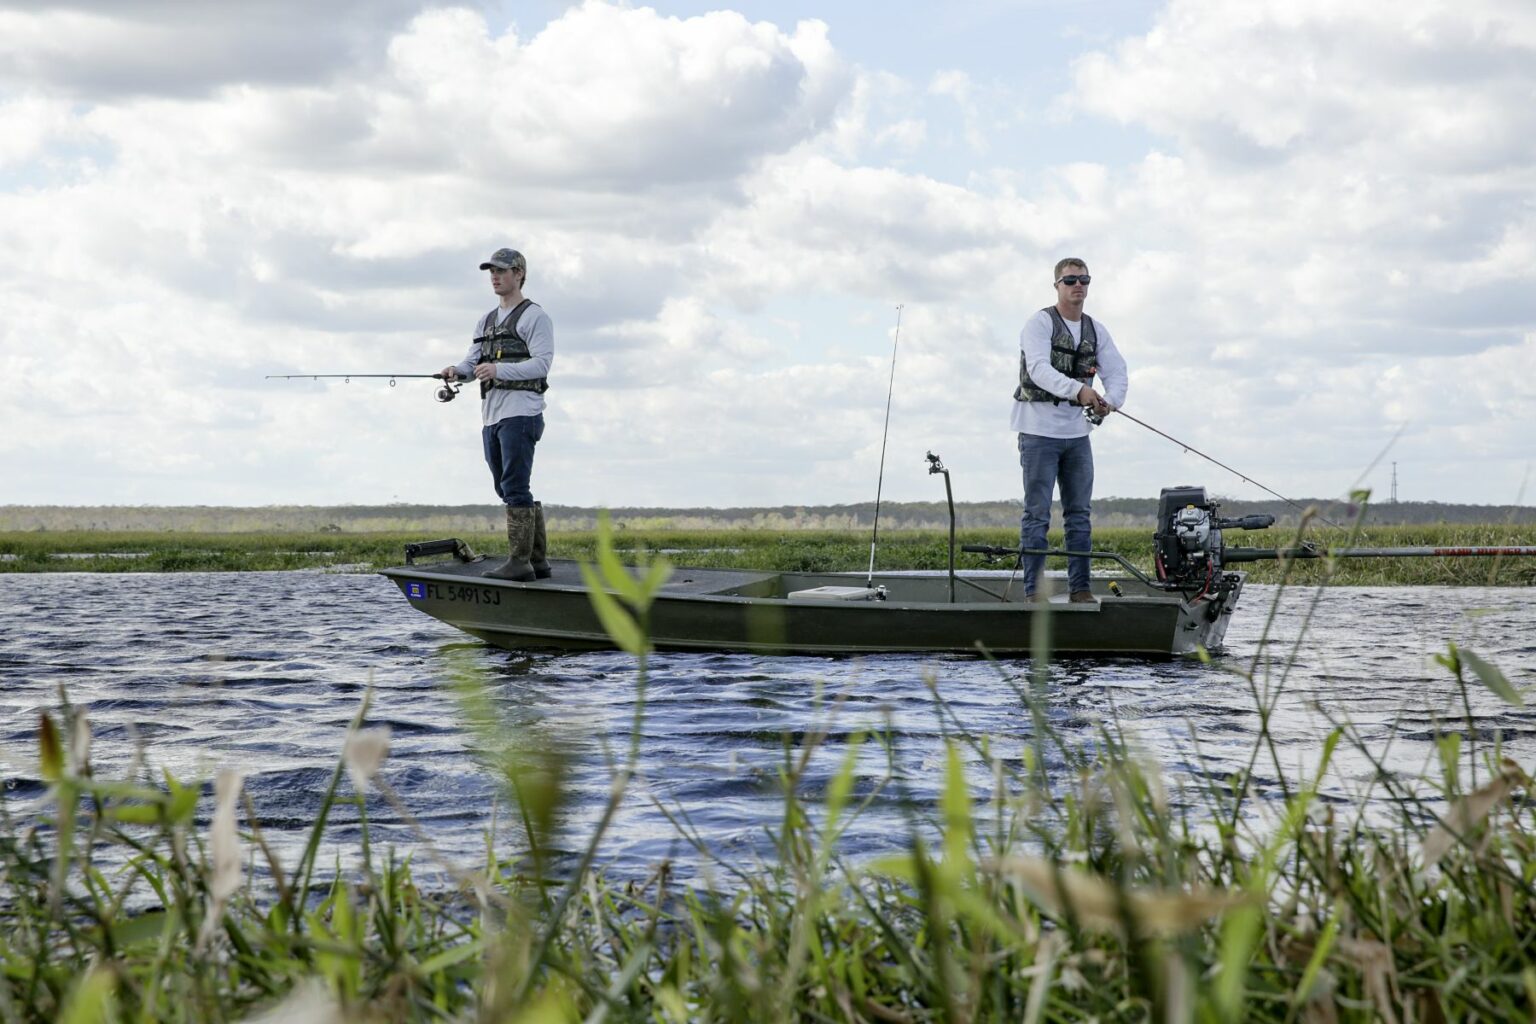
column 809, row 550
column 1053, row 880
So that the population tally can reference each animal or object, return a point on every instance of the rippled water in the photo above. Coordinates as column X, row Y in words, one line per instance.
column 263, row 672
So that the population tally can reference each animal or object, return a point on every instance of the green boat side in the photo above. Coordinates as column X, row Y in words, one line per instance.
column 701, row 609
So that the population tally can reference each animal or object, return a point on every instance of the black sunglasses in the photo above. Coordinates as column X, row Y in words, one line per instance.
column 1070, row 279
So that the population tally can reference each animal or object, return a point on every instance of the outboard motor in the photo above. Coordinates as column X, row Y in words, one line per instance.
column 1188, row 542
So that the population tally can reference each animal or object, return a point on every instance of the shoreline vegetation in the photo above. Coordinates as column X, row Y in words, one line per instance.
column 844, row 550
column 1055, row 878
column 446, row 520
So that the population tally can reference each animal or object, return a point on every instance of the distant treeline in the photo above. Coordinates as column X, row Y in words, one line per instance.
column 447, row 520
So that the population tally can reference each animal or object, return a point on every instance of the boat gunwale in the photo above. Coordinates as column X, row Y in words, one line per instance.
column 1170, row 599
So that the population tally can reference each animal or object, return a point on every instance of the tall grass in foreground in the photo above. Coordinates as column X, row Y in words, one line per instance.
column 1071, row 885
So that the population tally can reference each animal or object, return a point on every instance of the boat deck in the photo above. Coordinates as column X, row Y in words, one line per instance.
column 723, row 582
column 730, row 582
column 902, row 586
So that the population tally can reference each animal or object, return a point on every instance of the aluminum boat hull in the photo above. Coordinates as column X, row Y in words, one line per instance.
column 730, row 610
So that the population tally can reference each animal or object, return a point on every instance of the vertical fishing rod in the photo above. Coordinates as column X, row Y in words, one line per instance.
column 869, row 580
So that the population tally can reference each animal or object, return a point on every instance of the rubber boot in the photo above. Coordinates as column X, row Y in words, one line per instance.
column 519, row 546
column 539, row 557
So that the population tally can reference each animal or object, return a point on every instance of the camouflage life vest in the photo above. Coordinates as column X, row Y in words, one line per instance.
column 500, row 343
column 1080, row 362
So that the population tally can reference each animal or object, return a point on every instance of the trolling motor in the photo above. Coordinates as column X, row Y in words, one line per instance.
column 1188, row 548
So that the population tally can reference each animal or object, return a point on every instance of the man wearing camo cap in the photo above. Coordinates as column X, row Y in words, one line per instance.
column 511, row 355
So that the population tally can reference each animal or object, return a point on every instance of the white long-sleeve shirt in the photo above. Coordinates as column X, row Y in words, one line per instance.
column 536, row 326
column 1046, row 419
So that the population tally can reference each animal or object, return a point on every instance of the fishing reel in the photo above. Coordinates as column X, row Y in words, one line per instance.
column 1188, row 544
column 448, row 391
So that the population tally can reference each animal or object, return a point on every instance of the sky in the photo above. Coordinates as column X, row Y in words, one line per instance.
column 1311, row 228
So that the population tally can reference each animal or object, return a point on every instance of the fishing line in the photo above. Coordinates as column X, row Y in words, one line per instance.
column 869, row 580
column 1223, row 465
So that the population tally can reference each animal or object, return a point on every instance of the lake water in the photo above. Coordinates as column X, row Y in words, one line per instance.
column 263, row 672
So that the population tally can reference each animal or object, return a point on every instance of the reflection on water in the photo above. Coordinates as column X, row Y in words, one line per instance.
column 264, row 671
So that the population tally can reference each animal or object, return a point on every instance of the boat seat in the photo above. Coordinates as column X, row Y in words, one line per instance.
column 835, row 594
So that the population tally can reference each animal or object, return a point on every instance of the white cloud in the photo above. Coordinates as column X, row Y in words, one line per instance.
column 1339, row 187
column 1414, row 83
column 606, row 98
column 104, row 50
column 808, row 222
column 32, row 125
column 957, row 85
column 317, row 205
column 1332, row 235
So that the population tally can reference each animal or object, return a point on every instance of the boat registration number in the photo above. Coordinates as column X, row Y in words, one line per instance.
column 418, row 590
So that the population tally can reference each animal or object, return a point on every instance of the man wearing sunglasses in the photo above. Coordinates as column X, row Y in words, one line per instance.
column 1061, row 350
column 513, row 348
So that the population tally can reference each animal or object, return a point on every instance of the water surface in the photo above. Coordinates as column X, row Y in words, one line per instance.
column 264, row 671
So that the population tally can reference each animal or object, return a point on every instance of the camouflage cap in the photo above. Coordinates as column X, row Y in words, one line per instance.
column 506, row 259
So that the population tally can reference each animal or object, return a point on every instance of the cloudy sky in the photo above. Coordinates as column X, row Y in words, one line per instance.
column 1311, row 225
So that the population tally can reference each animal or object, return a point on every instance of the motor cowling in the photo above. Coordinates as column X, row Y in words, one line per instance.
column 1186, row 546
column 1188, row 542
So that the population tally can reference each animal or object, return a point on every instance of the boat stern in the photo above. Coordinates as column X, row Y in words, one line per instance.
column 1203, row 621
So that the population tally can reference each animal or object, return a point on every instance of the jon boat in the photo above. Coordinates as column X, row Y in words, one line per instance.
column 816, row 613
column 1183, row 608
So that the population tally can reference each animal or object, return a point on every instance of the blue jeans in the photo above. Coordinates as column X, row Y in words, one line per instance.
column 509, row 447
column 1048, row 462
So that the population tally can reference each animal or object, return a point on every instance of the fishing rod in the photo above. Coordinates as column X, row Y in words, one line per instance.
column 869, row 580
column 1096, row 419
column 447, row 393
column 1190, row 552
column 1310, row 550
